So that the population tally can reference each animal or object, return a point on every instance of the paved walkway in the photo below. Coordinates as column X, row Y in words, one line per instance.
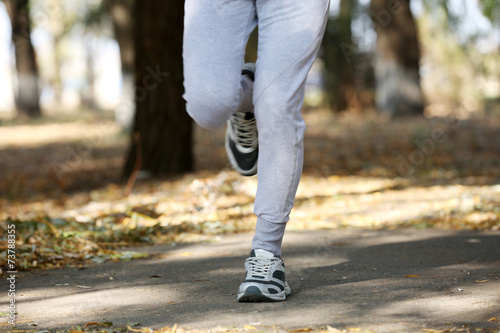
column 384, row 281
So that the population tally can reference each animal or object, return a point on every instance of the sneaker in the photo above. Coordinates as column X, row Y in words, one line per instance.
column 242, row 145
column 265, row 279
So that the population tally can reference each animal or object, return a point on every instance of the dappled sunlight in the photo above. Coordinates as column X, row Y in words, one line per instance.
column 27, row 136
column 120, row 213
column 360, row 171
column 92, row 303
column 340, row 278
column 454, row 206
column 438, row 304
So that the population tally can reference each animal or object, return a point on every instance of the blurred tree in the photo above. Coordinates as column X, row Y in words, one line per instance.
column 120, row 12
column 491, row 9
column 161, row 142
column 461, row 77
column 398, row 90
column 338, row 52
column 27, row 91
column 58, row 18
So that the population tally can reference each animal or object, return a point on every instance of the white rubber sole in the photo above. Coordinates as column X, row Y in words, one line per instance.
column 253, row 293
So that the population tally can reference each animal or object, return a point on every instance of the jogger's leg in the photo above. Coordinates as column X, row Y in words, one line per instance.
column 215, row 35
column 290, row 34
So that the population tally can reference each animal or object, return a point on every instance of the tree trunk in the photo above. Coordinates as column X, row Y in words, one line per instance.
column 88, row 94
column 27, row 91
column 162, row 134
column 121, row 12
column 398, row 90
column 338, row 56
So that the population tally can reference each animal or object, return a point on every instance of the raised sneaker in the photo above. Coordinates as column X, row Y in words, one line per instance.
column 242, row 145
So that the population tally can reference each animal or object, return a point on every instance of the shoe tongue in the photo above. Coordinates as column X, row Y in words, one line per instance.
column 263, row 253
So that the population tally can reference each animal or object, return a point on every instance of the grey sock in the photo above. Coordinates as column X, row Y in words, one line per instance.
column 268, row 236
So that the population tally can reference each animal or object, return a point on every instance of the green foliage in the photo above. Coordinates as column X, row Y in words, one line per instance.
column 491, row 9
column 442, row 6
column 461, row 75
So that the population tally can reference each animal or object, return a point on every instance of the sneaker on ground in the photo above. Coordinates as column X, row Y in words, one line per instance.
column 242, row 146
column 265, row 279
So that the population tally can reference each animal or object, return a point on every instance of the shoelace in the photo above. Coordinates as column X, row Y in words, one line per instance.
column 260, row 267
column 245, row 131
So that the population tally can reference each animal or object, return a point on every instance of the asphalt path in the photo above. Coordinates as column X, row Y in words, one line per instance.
column 384, row 281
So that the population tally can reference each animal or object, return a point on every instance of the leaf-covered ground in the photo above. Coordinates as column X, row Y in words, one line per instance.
column 60, row 185
column 107, row 327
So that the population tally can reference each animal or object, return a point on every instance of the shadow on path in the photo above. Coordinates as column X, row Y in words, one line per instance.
column 341, row 278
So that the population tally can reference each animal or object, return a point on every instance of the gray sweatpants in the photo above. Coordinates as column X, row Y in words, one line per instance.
column 290, row 33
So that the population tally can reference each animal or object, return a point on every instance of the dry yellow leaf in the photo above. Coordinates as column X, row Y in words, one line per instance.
column 142, row 330
column 165, row 329
column 480, row 281
column 495, row 320
column 249, row 327
column 412, row 276
column 94, row 323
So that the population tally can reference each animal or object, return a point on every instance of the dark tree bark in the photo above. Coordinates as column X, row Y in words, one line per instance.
column 162, row 134
column 27, row 91
column 398, row 90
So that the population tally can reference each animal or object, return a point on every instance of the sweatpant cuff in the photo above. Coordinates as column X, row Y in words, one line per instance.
column 268, row 236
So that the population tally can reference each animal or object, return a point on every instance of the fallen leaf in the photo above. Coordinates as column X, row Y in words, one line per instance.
column 71, row 255
column 411, row 276
column 249, row 327
column 495, row 320
column 144, row 330
column 94, row 323
column 165, row 329
column 481, row 281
